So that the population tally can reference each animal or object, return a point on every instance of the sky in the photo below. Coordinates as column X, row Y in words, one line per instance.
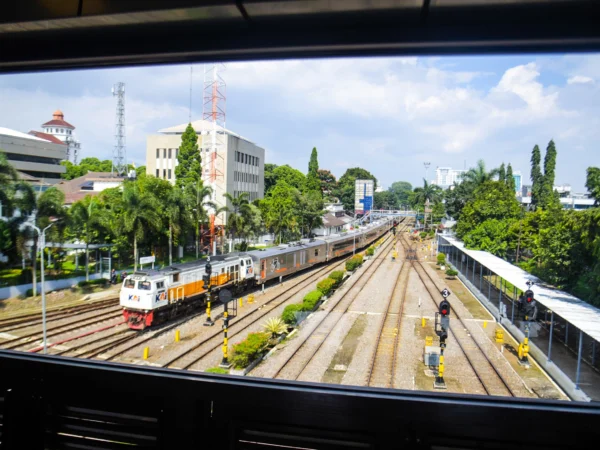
column 387, row 115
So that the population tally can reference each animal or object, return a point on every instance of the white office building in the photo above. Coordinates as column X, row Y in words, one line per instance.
column 446, row 176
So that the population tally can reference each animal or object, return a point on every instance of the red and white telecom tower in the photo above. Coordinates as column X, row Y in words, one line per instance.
column 214, row 141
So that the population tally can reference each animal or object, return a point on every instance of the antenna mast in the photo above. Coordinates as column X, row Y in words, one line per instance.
column 213, row 111
column 119, row 156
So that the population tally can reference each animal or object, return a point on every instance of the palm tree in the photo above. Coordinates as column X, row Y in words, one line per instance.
column 239, row 213
column 478, row 175
column 429, row 193
column 140, row 212
column 86, row 218
column 8, row 178
column 198, row 196
column 177, row 212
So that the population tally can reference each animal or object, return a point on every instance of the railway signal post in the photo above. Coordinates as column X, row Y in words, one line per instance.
column 442, row 326
column 207, row 286
column 225, row 297
column 529, row 310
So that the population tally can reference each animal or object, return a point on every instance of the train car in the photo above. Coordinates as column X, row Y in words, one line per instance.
column 287, row 259
column 155, row 296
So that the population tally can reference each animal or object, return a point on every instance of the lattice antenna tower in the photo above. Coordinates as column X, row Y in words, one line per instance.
column 214, row 138
column 119, row 156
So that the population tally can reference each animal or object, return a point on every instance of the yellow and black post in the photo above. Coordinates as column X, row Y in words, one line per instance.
column 530, row 311
column 225, row 362
column 208, row 287
column 442, row 327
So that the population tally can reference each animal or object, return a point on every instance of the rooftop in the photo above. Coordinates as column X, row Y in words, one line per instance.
column 18, row 134
column 574, row 310
column 47, row 137
column 73, row 189
column 199, row 126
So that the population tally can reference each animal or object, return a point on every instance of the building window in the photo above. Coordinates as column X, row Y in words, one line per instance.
column 169, row 156
column 157, row 153
column 169, row 174
column 257, row 161
column 164, row 152
column 176, row 153
column 164, row 173
column 157, row 173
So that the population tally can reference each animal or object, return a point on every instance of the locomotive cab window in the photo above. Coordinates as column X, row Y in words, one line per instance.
column 160, row 285
column 175, row 278
column 129, row 283
column 144, row 285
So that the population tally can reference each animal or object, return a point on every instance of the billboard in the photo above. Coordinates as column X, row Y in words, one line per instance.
column 363, row 196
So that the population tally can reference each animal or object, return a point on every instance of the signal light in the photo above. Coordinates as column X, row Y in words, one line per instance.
column 529, row 296
column 444, row 308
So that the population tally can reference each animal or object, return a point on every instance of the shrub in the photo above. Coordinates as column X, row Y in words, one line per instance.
column 337, row 276
column 249, row 349
column 219, row 370
column 326, row 286
column 351, row 264
column 441, row 258
column 359, row 258
column 310, row 300
column 370, row 251
column 98, row 281
column 423, row 234
column 289, row 313
column 451, row 272
column 274, row 326
column 29, row 292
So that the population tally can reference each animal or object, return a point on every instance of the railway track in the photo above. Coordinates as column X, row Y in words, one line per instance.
column 383, row 364
column 329, row 321
column 273, row 303
column 54, row 314
column 492, row 381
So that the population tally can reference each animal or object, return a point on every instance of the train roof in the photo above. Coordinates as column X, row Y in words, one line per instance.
column 215, row 260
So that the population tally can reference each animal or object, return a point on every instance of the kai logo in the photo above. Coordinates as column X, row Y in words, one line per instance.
column 134, row 298
column 161, row 296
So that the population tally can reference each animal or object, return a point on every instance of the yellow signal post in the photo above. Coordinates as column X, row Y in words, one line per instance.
column 225, row 362
column 146, row 352
column 241, row 301
column 423, row 322
column 177, row 336
column 499, row 335
column 485, row 324
column 524, row 352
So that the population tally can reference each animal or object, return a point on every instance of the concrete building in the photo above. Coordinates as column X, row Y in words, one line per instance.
column 239, row 164
column 58, row 130
column 334, row 221
column 518, row 181
column 446, row 176
column 37, row 158
column 575, row 201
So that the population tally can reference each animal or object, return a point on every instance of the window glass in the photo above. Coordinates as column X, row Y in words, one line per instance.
column 242, row 263
column 157, row 173
column 157, row 153
column 129, row 283
column 175, row 277
column 145, row 285
column 160, row 285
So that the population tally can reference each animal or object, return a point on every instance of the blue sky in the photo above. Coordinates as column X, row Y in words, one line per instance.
column 388, row 115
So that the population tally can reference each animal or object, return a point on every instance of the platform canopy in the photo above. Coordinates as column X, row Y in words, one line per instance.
column 574, row 310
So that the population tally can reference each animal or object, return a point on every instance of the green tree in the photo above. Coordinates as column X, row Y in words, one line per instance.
column 401, row 191
column 291, row 176
column 549, row 199
column 86, row 220
column 328, row 183
column 347, row 185
column 139, row 215
column 478, row 175
column 502, row 173
column 270, row 178
column 510, row 179
column 198, row 197
column 309, row 210
column 592, row 183
column 238, row 214
column 537, row 178
column 313, row 183
column 492, row 200
column 278, row 210
column 426, row 195
column 177, row 211
column 189, row 169
column 492, row 235
column 457, row 197
column 384, row 200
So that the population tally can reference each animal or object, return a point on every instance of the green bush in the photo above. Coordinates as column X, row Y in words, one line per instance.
column 370, row 251
column 98, row 281
column 249, row 349
column 289, row 313
column 354, row 262
column 310, row 300
column 326, row 286
column 441, row 259
column 423, row 234
column 29, row 292
column 219, row 370
column 359, row 258
column 451, row 272
column 337, row 276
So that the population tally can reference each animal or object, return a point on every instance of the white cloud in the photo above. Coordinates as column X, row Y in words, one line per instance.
column 580, row 79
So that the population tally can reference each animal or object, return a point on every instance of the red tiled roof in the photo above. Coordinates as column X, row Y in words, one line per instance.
column 72, row 188
column 47, row 136
column 59, row 123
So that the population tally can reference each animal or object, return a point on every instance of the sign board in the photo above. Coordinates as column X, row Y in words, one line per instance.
column 363, row 196
column 147, row 259
column 445, row 293
column 225, row 295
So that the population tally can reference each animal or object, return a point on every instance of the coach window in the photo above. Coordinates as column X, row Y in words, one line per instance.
column 316, row 252
column 144, row 285
column 242, row 263
column 160, row 285
column 129, row 284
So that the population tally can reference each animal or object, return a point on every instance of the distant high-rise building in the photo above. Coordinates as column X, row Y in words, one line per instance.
column 518, row 181
column 446, row 176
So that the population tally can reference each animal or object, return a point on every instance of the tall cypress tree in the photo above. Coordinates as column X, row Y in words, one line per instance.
column 510, row 179
column 502, row 174
column 537, row 179
column 189, row 169
column 313, row 183
column 548, row 197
